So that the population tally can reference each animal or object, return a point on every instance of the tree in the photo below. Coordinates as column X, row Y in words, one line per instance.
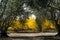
column 55, row 12
column 3, row 32
column 13, row 8
column 10, row 10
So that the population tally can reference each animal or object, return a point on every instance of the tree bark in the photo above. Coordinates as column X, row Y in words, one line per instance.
column 4, row 32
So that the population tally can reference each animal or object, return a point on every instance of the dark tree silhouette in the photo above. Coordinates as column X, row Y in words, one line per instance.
column 55, row 15
column 3, row 28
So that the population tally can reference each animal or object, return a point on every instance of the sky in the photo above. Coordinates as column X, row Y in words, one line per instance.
column 0, row 0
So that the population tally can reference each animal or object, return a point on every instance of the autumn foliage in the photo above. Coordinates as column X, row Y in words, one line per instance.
column 30, row 24
column 47, row 25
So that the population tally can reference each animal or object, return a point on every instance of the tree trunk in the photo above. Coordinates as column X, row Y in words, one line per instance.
column 4, row 32
column 58, row 28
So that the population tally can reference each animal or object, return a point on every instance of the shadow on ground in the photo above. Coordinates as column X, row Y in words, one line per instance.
column 30, row 38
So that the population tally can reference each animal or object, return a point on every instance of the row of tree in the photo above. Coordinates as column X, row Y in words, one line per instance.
column 42, row 9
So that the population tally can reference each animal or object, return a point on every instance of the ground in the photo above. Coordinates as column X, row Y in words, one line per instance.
column 31, row 38
column 52, row 37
